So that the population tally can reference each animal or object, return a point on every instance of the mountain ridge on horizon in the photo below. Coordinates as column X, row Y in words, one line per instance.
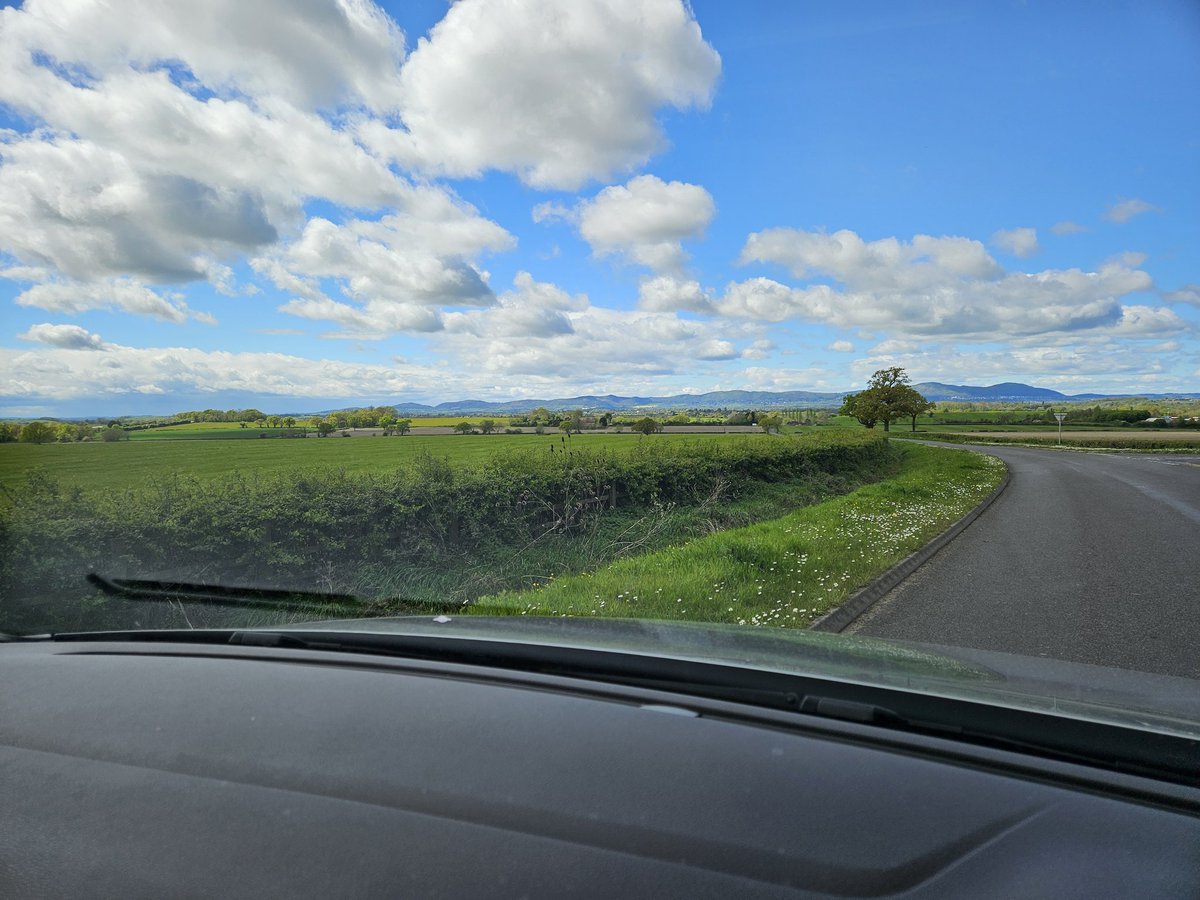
column 932, row 390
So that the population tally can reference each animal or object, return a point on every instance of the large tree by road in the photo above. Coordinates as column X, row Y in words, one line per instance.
column 888, row 397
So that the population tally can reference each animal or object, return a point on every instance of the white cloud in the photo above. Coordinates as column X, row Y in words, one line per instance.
column 645, row 220
column 760, row 349
column 1069, row 364
column 841, row 347
column 59, row 374
column 1020, row 242
column 194, row 137
column 310, row 54
column 84, row 211
column 558, row 93
column 1065, row 227
column 664, row 293
column 1149, row 321
column 542, row 335
column 1125, row 210
column 399, row 269
column 927, row 287
column 923, row 262
column 68, row 337
column 122, row 294
column 1188, row 293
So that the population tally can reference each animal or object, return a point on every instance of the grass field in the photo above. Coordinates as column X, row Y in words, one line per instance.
column 783, row 572
column 200, row 431
column 1114, row 439
column 117, row 465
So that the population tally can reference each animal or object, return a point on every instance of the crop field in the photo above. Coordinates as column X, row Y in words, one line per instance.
column 1112, row 439
column 119, row 465
column 201, row 431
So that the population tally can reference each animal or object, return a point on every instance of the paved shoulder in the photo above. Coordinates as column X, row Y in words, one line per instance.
column 1086, row 557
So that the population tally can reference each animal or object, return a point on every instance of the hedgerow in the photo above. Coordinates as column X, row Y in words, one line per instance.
column 316, row 529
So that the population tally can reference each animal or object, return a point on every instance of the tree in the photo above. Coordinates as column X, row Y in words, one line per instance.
column 403, row 426
column 113, row 433
column 888, row 397
column 38, row 433
column 647, row 426
column 487, row 426
column 771, row 422
column 290, row 422
column 325, row 428
column 464, row 428
column 910, row 403
column 861, row 406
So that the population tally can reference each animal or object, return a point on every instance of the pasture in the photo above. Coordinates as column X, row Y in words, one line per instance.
column 101, row 466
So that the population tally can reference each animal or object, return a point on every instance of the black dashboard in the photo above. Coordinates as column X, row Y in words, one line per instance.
column 176, row 770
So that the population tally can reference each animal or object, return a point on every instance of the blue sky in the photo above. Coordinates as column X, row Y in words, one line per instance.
column 300, row 206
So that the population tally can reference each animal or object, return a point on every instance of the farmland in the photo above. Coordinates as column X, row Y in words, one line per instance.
column 402, row 523
column 1098, row 439
column 101, row 466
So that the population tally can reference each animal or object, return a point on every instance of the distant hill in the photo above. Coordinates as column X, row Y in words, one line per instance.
column 933, row 390
column 1009, row 390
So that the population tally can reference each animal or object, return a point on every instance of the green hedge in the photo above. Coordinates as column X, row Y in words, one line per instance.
column 312, row 529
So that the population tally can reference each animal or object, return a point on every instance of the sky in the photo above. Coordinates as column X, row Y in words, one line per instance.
column 303, row 204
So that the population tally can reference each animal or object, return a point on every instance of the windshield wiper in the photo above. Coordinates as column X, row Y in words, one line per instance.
column 222, row 595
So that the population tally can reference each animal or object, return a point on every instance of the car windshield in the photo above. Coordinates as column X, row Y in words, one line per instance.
column 868, row 319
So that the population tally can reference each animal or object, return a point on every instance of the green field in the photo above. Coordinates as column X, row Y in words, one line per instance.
column 201, row 431
column 118, row 465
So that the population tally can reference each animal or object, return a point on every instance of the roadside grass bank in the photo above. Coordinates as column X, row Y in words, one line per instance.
column 428, row 533
column 782, row 572
column 1177, row 441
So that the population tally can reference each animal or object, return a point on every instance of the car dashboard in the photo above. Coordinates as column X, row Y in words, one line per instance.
column 166, row 769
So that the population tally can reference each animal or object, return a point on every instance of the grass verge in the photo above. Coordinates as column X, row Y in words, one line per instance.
column 784, row 572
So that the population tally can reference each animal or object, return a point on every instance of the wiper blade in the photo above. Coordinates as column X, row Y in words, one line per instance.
column 221, row 595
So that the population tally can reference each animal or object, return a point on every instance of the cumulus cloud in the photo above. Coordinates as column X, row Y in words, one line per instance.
column 1020, row 242
column 67, row 337
column 841, row 347
column 475, row 94
column 665, row 293
column 312, row 54
column 645, row 220
column 1067, row 364
column 396, row 271
column 928, row 286
column 1148, row 321
column 1065, row 227
column 889, row 263
column 157, row 151
column 1124, row 210
column 58, row 374
column 123, row 294
column 1188, row 293
column 542, row 335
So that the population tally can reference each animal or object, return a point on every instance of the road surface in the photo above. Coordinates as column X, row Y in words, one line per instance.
column 1086, row 557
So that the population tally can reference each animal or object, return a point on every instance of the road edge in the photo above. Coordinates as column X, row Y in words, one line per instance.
column 841, row 616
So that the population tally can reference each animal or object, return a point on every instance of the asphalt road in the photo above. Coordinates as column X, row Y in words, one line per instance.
column 1085, row 557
